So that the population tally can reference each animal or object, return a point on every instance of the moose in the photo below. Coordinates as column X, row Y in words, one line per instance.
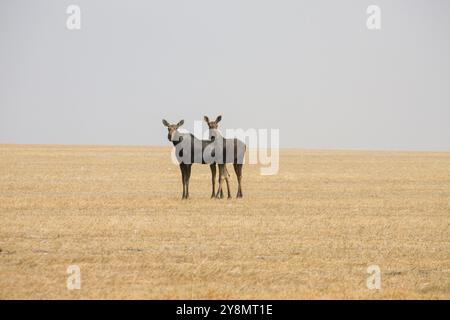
column 215, row 151
column 230, row 151
column 191, row 150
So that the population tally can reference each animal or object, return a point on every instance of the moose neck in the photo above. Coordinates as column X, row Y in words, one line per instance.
column 215, row 134
column 181, row 136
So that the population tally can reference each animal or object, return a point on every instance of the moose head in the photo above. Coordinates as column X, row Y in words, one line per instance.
column 172, row 129
column 213, row 124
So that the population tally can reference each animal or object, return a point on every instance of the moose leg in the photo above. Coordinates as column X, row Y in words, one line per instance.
column 227, row 176
column 221, row 178
column 213, row 179
column 238, row 170
column 188, row 176
column 221, row 189
column 182, row 168
column 240, row 179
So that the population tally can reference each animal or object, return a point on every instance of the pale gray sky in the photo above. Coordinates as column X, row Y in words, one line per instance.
column 310, row 68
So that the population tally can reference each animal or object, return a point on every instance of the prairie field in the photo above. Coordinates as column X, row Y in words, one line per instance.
column 308, row 232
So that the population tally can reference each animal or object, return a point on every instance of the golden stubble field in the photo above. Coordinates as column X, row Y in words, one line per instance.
column 309, row 232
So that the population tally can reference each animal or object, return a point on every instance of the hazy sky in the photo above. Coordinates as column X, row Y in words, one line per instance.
column 310, row 68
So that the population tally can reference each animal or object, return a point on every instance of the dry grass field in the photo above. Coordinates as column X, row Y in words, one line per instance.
column 309, row 232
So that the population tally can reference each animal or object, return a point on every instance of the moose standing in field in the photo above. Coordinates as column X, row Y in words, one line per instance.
column 227, row 151
column 189, row 150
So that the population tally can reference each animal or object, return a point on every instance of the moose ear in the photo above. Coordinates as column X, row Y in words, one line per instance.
column 206, row 119
column 179, row 124
column 218, row 119
column 165, row 123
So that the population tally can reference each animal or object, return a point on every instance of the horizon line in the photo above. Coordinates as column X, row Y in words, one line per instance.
column 170, row 146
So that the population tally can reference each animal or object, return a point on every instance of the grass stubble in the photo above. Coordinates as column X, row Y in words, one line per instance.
column 309, row 232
